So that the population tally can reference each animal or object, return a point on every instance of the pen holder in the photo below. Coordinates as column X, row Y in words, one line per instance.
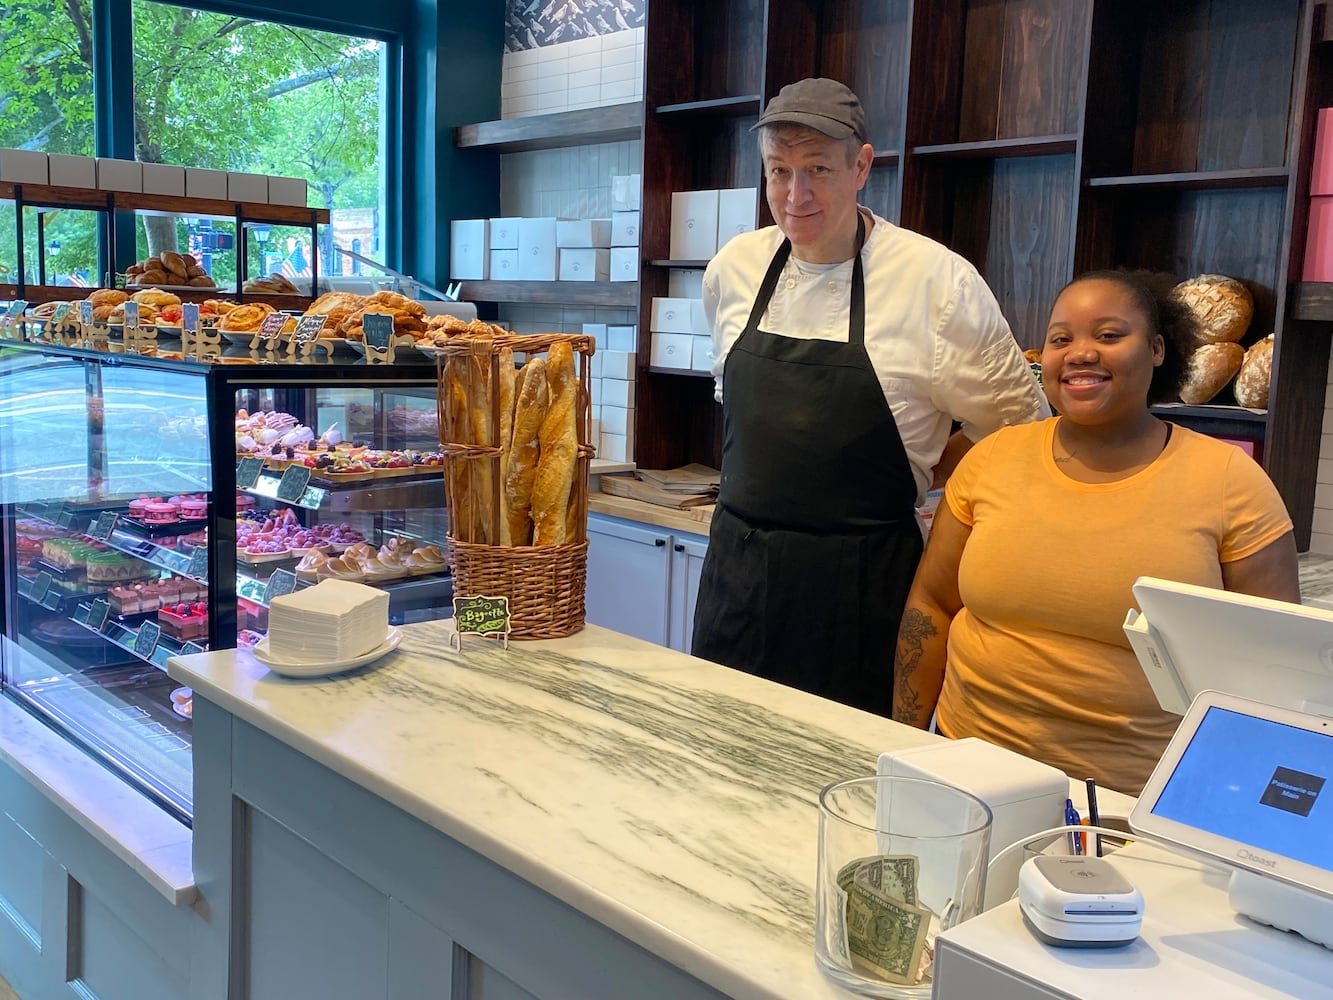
column 900, row 860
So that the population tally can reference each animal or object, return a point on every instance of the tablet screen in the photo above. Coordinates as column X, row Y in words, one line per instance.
column 1258, row 782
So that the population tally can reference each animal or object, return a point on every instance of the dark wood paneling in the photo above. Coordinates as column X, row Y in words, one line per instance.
column 1171, row 90
column 1042, row 67
column 865, row 45
column 728, row 48
column 791, row 45
column 932, row 107
column 983, row 65
column 677, row 421
column 1027, row 252
column 669, row 56
column 1296, row 418
column 1114, row 53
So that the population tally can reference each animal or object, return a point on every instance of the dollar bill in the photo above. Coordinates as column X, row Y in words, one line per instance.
column 893, row 875
column 885, row 936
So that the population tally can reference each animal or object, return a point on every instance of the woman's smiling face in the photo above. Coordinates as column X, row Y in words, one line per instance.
column 1098, row 359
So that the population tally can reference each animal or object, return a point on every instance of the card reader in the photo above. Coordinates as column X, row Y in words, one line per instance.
column 1078, row 902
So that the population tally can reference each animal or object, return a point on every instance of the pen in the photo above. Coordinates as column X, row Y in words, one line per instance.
column 1071, row 819
column 1094, row 817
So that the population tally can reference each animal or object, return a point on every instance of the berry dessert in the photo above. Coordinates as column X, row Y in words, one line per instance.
column 184, row 621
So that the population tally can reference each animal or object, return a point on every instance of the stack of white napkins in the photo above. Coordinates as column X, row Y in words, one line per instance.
column 332, row 621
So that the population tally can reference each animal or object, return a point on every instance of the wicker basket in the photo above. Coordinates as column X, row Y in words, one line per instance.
column 545, row 584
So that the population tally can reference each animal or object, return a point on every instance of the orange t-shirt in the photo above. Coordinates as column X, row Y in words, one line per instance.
column 1038, row 661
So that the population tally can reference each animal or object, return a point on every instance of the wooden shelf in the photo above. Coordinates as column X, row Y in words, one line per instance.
column 995, row 149
column 748, row 104
column 886, row 158
column 679, row 263
column 46, row 196
column 37, row 294
column 614, row 123
column 1253, row 177
column 569, row 293
column 1216, row 419
column 686, row 372
column 1312, row 300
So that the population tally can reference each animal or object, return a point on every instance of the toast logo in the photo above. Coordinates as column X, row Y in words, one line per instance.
column 1245, row 854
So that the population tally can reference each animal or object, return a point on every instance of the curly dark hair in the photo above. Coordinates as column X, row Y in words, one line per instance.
column 1172, row 319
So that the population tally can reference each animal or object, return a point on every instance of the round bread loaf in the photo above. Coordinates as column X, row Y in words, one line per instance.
column 1211, row 367
column 1255, row 373
column 1223, row 306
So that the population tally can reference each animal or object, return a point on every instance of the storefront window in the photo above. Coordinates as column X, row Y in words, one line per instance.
column 233, row 93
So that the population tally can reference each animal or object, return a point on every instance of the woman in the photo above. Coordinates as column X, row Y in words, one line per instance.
column 1013, row 623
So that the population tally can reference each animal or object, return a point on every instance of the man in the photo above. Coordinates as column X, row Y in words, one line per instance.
column 845, row 349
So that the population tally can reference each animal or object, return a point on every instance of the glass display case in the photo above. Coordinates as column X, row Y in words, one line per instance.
column 152, row 507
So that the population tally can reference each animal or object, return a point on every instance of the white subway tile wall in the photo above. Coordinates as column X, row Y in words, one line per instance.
column 1321, row 533
column 587, row 73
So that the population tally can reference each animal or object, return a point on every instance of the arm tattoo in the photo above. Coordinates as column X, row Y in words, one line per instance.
column 913, row 632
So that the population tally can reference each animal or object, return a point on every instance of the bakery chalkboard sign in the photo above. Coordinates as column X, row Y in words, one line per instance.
column 41, row 586
column 484, row 616
column 98, row 613
column 86, row 313
column 308, row 328
column 280, row 583
column 198, row 567
column 378, row 329
column 247, row 472
column 190, row 317
column 146, row 641
column 104, row 526
column 293, row 483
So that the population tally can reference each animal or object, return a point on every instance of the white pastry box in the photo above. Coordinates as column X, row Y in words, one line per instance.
column 670, row 316
column 615, row 419
column 119, row 175
column 582, row 233
column 23, row 166
column 617, row 447
column 201, row 183
column 469, row 249
column 693, row 225
column 163, row 178
column 597, row 331
column 685, row 283
column 624, row 229
column 504, row 265
column 536, row 250
column 699, row 319
column 287, row 191
column 72, row 171
column 737, row 209
column 622, row 338
column 618, row 392
column 617, row 364
column 584, row 264
column 624, row 263
column 247, row 187
column 504, row 233
column 672, row 350
column 626, row 192
column 701, row 354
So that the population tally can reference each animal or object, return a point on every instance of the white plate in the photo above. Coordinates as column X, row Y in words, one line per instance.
column 186, row 696
column 290, row 669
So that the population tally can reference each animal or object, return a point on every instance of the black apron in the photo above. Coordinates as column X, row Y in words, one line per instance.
column 815, row 540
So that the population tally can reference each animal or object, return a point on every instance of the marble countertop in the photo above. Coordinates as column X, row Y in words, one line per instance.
column 1316, row 580
column 670, row 799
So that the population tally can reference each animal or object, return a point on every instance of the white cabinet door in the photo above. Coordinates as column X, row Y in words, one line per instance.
column 629, row 578
column 687, row 560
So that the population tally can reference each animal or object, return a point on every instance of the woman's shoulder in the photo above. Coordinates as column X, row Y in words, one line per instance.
column 1010, row 444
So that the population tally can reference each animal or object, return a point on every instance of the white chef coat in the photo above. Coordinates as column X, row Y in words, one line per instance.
column 934, row 333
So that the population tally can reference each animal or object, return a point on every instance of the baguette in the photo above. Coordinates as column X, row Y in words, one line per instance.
column 529, row 415
column 508, row 380
column 483, row 472
column 463, row 518
column 559, row 448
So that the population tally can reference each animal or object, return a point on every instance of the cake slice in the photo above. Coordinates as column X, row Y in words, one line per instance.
column 332, row 621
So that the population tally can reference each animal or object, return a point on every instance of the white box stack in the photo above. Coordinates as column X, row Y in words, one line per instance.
column 24, row 166
column 624, row 229
column 163, row 178
column 584, row 264
column 737, row 209
column 247, row 187
column 72, row 171
column 120, row 175
column 201, row 183
column 536, row 250
column 624, row 263
column 693, row 225
column 469, row 249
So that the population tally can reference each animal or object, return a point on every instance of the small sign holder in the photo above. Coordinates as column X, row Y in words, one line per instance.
column 247, row 472
column 11, row 324
column 280, row 583
column 269, row 335
column 98, row 614
column 198, row 567
column 104, row 526
column 291, row 488
column 146, row 641
column 381, row 342
column 306, row 337
column 487, row 617
column 198, row 337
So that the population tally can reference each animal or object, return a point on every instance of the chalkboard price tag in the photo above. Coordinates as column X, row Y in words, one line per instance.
column 192, row 647
column 282, row 582
column 247, row 472
column 98, row 614
column 146, row 641
column 378, row 329
column 41, row 586
column 293, row 483
column 104, row 526
column 16, row 308
column 131, row 315
column 62, row 516
column 271, row 327
column 86, row 313
column 484, row 616
column 308, row 328
column 198, row 567
column 190, row 317
column 58, row 317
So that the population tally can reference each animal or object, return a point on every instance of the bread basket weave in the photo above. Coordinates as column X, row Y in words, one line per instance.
column 545, row 584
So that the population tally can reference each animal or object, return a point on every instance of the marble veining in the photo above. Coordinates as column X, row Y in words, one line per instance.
column 671, row 799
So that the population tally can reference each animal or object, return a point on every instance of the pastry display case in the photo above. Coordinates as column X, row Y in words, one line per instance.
column 155, row 506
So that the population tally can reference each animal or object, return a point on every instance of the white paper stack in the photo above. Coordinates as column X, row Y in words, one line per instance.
column 332, row 621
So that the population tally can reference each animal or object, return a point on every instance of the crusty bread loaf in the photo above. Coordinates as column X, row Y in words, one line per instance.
column 464, row 517
column 1211, row 367
column 1255, row 373
column 1223, row 306
column 482, row 422
column 508, row 379
column 529, row 415
column 559, row 449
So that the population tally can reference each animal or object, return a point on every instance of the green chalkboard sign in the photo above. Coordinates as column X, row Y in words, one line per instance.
column 62, row 310
column 104, row 526
column 282, row 582
column 146, row 641
column 293, row 483
column 41, row 586
column 481, row 615
column 247, row 472
column 98, row 614
column 378, row 329
column 193, row 647
column 198, row 567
